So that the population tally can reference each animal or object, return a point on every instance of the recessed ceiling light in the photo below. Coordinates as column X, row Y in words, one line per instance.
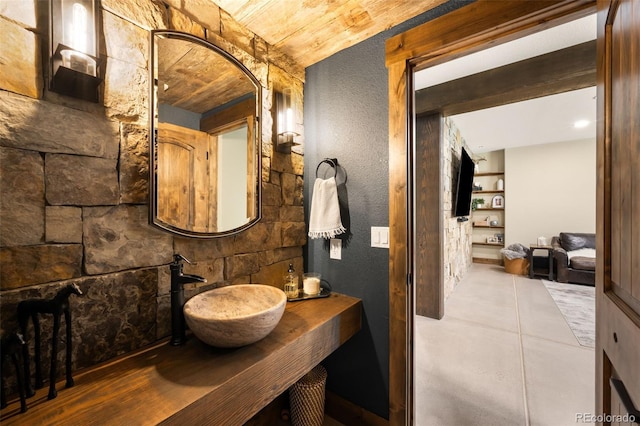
column 580, row 124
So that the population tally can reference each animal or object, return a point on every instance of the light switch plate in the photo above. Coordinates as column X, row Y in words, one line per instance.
column 380, row 236
column 335, row 248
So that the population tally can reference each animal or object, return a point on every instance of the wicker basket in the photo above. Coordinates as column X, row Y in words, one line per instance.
column 519, row 266
column 306, row 398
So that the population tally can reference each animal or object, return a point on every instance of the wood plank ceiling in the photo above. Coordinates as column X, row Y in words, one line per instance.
column 194, row 78
column 311, row 30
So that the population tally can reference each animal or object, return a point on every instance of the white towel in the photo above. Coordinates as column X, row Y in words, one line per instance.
column 324, row 221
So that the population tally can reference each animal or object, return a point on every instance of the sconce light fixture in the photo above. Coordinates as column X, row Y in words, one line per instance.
column 73, row 34
column 284, row 121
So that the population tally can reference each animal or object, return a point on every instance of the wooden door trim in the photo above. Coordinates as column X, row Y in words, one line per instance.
column 400, row 305
column 445, row 38
column 452, row 35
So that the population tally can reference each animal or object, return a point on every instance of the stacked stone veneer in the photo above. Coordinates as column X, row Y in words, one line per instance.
column 74, row 180
column 457, row 235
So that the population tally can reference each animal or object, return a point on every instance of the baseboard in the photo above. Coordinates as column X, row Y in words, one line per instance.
column 487, row 261
column 349, row 413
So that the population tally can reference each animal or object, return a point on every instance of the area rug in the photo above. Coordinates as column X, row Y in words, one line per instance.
column 578, row 306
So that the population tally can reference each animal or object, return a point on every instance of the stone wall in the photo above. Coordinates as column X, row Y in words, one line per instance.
column 74, row 180
column 457, row 235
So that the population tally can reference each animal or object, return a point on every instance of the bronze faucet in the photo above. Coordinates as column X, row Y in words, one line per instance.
column 178, row 279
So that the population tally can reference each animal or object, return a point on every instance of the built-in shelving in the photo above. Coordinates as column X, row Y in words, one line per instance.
column 488, row 191
column 488, row 174
column 488, row 244
column 487, row 252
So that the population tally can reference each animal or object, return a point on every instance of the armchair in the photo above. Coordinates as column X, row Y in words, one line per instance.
column 574, row 254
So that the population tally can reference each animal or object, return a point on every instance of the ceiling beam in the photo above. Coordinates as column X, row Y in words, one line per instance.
column 556, row 72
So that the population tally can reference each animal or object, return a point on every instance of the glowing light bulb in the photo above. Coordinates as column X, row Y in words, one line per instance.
column 79, row 27
column 289, row 122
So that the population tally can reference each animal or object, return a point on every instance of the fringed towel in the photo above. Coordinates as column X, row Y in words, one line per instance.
column 325, row 219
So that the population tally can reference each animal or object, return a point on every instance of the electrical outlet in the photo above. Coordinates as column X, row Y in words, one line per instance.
column 335, row 248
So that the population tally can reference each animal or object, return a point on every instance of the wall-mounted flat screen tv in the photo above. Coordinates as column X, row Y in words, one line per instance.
column 464, row 185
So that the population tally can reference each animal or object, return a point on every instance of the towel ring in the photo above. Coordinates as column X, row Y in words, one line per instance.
column 333, row 162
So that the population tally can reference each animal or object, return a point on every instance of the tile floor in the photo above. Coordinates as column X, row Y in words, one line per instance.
column 502, row 355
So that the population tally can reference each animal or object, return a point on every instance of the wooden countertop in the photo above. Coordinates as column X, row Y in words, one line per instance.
column 195, row 383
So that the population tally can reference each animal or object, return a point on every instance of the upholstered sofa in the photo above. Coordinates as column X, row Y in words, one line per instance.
column 575, row 257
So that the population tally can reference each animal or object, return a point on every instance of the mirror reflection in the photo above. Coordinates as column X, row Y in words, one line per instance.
column 205, row 156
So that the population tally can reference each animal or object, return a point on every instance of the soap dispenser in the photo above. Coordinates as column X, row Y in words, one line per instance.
column 291, row 283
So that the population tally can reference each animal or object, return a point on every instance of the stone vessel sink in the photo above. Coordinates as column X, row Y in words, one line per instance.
column 235, row 315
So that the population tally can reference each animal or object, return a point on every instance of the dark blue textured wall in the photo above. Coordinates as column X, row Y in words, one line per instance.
column 346, row 117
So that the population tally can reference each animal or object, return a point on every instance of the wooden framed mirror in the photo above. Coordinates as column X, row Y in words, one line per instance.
column 204, row 148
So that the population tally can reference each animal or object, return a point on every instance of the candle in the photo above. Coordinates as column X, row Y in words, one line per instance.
column 311, row 283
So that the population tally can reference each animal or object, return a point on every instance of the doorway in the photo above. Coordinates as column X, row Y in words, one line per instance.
column 518, row 350
column 494, row 23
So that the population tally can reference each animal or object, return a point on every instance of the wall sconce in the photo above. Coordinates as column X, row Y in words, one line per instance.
column 284, row 121
column 73, row 33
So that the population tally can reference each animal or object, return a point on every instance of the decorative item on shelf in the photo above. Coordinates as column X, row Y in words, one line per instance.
column 476, row 161
column 73, row 52
column 477, row 186
column 284, row 125
column 497, row 202
column 484, row 222
column 500, row 185
column 477, row 202
column 494, row 223
column 492, row 240
column 499, row 237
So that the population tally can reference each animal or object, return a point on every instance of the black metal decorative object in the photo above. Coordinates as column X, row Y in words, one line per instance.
column 11, row 344
column 57, row 306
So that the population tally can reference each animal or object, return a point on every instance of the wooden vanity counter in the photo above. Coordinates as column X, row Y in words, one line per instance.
column 197, row 384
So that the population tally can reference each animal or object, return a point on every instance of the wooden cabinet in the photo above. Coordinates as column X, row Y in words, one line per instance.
column 488, row 239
